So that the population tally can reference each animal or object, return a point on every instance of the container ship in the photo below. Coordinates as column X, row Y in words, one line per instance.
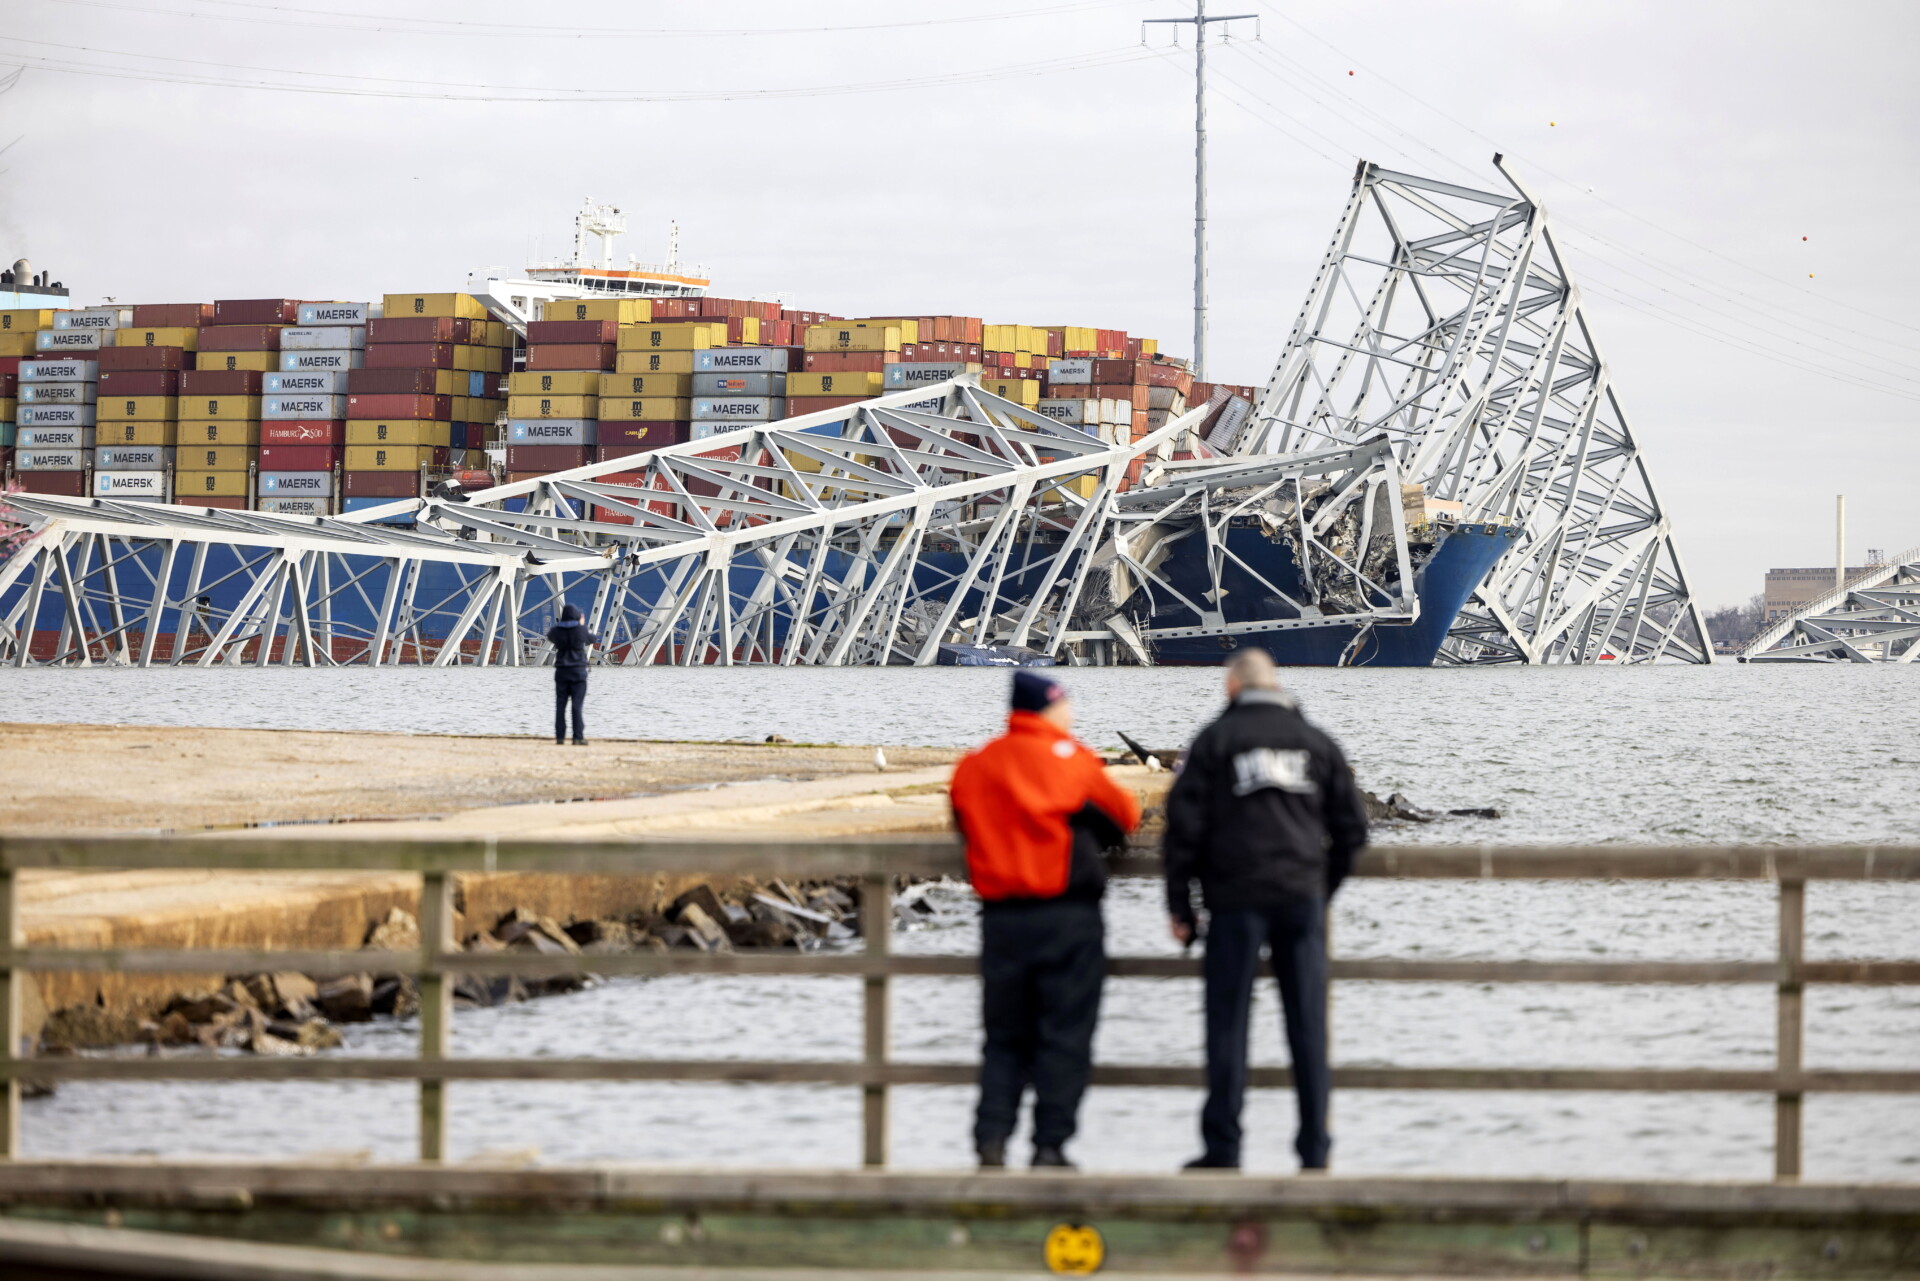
column 322, row 408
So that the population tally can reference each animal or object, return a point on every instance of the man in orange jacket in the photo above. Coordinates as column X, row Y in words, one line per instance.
column 1038, row 811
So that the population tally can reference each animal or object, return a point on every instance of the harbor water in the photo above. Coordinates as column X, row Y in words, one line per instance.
column 1665, row 754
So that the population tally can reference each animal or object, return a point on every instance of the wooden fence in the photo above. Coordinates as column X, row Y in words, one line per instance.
column 878, row 865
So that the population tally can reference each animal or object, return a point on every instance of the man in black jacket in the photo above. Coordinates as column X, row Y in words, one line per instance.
column 1265, row 815
column 570, row 639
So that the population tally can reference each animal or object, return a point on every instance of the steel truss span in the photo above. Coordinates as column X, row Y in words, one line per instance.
column 1444, row 319
column 1873, row 618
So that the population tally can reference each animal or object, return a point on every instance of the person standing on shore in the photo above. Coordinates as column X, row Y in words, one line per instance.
column 1264, row 813
column 571, row 640
column 1037, row 811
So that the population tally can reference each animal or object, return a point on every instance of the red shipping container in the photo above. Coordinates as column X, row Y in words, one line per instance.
column 381, row 484
column 240, row 338
column 1134, row 394
column 66, row 484
column 1119, row 371
column 409, row 355
column 298, row 457
column 391, row 382
column 220, row 382
column 564, row 356
column 798, row 405
column 631, row 434
column 144, row 358
column 418, row 329
column 676, row 308
column 1170, row 376
column 380, row 406
column 573, row 331
column 9, row 385
column 848, row 362
column 255, row 311
column 173, row 315
column 216, row 501
column 10, row 364
column 547, row 458
column 310, row 431
column 136, row 382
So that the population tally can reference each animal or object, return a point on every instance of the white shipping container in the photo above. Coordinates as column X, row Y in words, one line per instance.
column 553, row 431
column 309, row 484
column 339, row 358
column 50, row 460
column 701, row 431
column 57, row 393
column 1079, row 369
column 1075, row 413
column 906, row 375
column 1167, row 398
column 1228, row 422
column 130, row 484
column 328, row 338
column 295, row 407
column 56, row 415
column 59, row 371
column 742, row 360
column 55, row 438
column 334, row 313
column 94, row 318
column 740, row 409
column 296, row 506
column 133, row 457
column 59, row 340
column 314, row 382
column 931, row 405
column 739, row 384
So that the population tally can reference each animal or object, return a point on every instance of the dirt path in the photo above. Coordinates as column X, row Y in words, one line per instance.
column 91, row 778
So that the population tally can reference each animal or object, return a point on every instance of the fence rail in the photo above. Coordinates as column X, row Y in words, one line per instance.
column 876, row 863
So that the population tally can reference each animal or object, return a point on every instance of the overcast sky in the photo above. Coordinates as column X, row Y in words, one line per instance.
column 1735, row 183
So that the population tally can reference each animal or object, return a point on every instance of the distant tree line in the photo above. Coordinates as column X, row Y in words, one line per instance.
column 1732, row 626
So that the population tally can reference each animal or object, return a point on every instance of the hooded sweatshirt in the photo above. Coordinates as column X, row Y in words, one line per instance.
column 570, row 639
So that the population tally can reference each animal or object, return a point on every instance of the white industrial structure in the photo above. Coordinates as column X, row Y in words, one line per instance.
column 1442, row 360
column 1873, row 618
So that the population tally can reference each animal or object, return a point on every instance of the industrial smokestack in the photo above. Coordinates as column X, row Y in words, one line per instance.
column 1839, row 542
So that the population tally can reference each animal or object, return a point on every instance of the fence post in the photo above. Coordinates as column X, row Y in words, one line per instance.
column 1787, row 1042
column 876, row 927
column 436, row 1007
column 10, row 981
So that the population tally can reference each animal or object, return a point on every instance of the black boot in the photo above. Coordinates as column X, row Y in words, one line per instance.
column 1208, row 1161
column 1049, row 1157
column 993, row 1154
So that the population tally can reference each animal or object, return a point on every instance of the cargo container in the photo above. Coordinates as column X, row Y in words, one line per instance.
column 68, row 484
column 553, row 407
column 149, row 485
column 615, row 386
column 324, row 338
column 55, row 415
column 647, row 408
column 54, row 437
column 849, row 362
column 137, row 408
column 55, row 341
column 175, row 315
column 215, row 457
column 131, row 359
column 220, row 382
column 332, row 313
column 25, row 321
column 799, row 406
column 253, row 361
column 193, row 484
column 648, row 434
column 399, row 432
column 743, row 360
column 681, row 337
column 902, row 376
column 405, row 382
column 225, row 431
column 458, row 306
column 235, row 407
column 341, row 360
column 382, row 485
column 851, row 337
column 554, row 382
column 297, row 506
column 316, row 382
column 397, row 406
column 17, row 344
column 617, row 311
column 575, row 332
column 256, row 338
column 93, row 318
column 551, row 431
column 740, row 384
column 296, row 484
column 388, row 330
column 393, row 457
column 836, row 384
column 139, row 382
column 57, row 393
column 58, row 371
column 546, row 458
column 187, row 339
column 25, row 460
column 255, row 311
column 128, row 433
column 133, row 458
column 302, row 458
column 570, row 356
column 303, row 433
column 302, row 407
column 739, row 409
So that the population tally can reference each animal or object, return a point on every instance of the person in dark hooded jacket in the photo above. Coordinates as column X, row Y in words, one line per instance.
column 1265, row 814
column 571, row 640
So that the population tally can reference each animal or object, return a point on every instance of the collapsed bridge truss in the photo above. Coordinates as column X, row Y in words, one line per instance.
column 1873, row 618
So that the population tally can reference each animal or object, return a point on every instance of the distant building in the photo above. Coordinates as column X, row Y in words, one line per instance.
column 1788, row 590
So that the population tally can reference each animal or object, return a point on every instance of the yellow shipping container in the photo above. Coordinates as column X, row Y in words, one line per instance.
column 558, row 382
column 461, row 306
column 387, row 457
column 232, row 431
column 1021, row 391
column 177, row 337
column 188, row 485
column 553, row 407
column 908, row 326
column 259, row 361
column 463, row 408
column 686, row 337
column 136, row 434
column 1075, row 337
column 859, row 382
column 1084, row 486
column 1149, row 346
column 846, row 337
column 497, row 334
column 643, row 384
column 653, row 362
column 659, row 409
column 215, row 407
column 621, row 311
column 216, row 457
column 17, row 343
column 26, row 320
column 139, row 408
column 9, row 408
column 402, row 432
column 468, row 357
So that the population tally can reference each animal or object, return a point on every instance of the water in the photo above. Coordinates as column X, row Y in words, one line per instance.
column 1568, row 755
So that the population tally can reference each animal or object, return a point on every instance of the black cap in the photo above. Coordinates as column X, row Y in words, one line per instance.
column 571, row 614
column 1032, row 693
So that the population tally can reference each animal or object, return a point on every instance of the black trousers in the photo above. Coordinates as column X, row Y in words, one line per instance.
column 569, row 688
column 1041, row 968
column 1295, row 934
